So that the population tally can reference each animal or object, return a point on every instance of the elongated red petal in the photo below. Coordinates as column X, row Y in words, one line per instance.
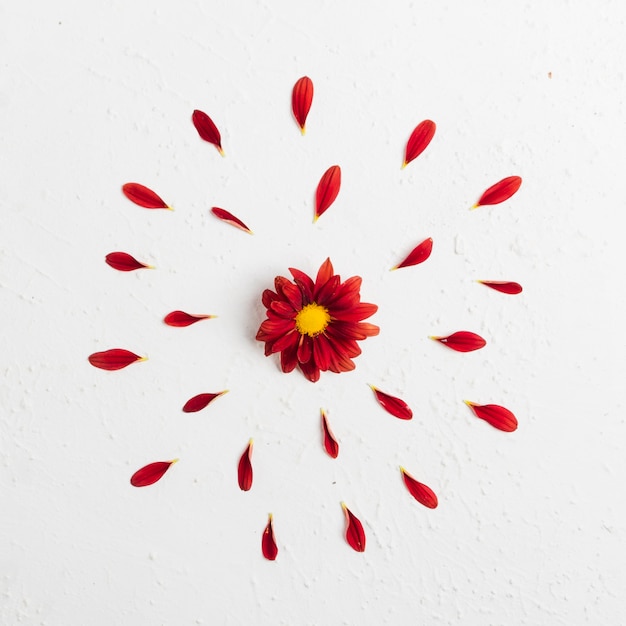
column 503, row 286
column 462, row 341
column 143, row 196
column 327, row 190
column 355, row 535
column 301, row 99
column 397, row 407
column 244, row 470
column 418, row 255
column 151, row 473
column 230, row 218
column 180, row 318
column 419, row 140
column 197, row 403
column 207, row 129
column 422, row 493
column 499, row 192
column 124, row 262
column 496, row 415
column 330, row 443
column 268, row 542
column 114, row 359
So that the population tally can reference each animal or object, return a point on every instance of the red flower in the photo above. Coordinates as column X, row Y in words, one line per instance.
column 316, row 325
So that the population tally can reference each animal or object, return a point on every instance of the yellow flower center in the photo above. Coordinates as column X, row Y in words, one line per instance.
column 312, row 320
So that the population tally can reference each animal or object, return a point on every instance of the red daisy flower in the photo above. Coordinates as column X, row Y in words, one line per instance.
column 316, row 325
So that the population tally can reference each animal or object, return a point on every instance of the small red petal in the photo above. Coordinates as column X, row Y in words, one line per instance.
column 418, row 255
column 244, row 470
column 207, row 129
column 114, row 359
column 497, row 416
column 230, row 218
column 197, row 403
column 180, row 318
column 327, row 190
column 397, row 407
column 268, row 542
column 355, row 535
column 301, row 98
column 419, row 140
column 462, row 341
column 422, row 493
column 124, row 262
column 503, row 286
column 500, row 192
column 143, row 196
column 151, row 473
column 330, row 443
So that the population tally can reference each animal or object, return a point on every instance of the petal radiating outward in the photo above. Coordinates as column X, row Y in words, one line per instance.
column 114, row 359
column 397, row 407
column 151, row 473
column 355, row 535
column 124, row 262
column 462, row 341
column 181, row 319
column 225, row 216
column 197, row 403
column 327, row 190
column 496, row 415
column 207, row 129
column 301, row 99
column 503, row 286
column 418, row 255
column 499, row 192
column 330, row 443
column 143, row 196
column 419, row 140
column 244, row 469
column 268, row 542
column 422, row 493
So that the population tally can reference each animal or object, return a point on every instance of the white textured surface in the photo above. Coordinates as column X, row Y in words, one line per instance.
column 530, row 527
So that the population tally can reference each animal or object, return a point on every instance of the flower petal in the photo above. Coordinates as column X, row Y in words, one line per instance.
column 244, row 470
column 330, row 443
column 419, row 140
column 301, row 99
column 124, row 262
column 324, row 274
column 499, row 192
column 497, row 416
column 197, row 403
column 143, row 196
column 225, row 216
column 397, row 407
column 418, row 255
column 151, row 473
column 114, row 359
column 207, row 129
column 180, row 318
column 462, row 341
column 355, row 535
column 268, row 542
column 305, row 283
column 422, row 493
column 503, row 286
column 327, row 190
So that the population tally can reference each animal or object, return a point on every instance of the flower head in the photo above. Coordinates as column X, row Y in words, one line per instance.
column 316, row 325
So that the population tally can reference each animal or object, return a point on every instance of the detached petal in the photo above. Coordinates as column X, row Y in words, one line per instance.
column 419, row 140
column 397, row 407
column 301, row 99
column 268, row 542
column 225, row 216
column 355, row 535
column 143, row 196
column 462, row 341
column 418, row 255
column 330, row 443
column 207, row 129
column 327, row 190
column 202, row 400
column 499, row 192
column 124, row 262
column 497, row 416
column 422, row 493
column 114, row 359
column 503, row 286
column 151, row 473
column 244, row 470
column 180, row 318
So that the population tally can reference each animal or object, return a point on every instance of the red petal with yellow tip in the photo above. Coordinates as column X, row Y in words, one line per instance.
column 462, row 341
column 397, row 407
column 301, row 99
column 503, row 286
column 143, row 196
column 330, row 443
column 418, row 255
column 197, row 403
column 225, row 216
column 327, row 189
column 268, row 542
column 123, row 262
column 207, row 129
column 244, row 470
column 422, row 493
column 114, row 359
column 355, row 535
column 419, row 140
column 496, row 415
column 151, row 473
column 180, row 318
column 500, row 192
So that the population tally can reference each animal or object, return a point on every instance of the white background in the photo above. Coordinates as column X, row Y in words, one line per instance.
column 530, row 527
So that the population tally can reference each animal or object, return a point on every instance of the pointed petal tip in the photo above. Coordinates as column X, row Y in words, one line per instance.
column 303, row 130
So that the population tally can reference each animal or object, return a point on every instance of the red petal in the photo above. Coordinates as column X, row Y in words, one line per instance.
column 355, row 535
column 330, row 443
column 268, row 543
column 244, row 471
column 418, row 255
column 419, row 140
column 497, row 416
column 197, row 403
column 422, row 493
column 327, row 190
column 207, row 129
column 500, row 192
column 462, row 341
column 230, row 218
column 124, row 262
column 301, row 98
column 180, row 318
column 143, row 196
column 397, row 407
column 503, row 286
column 151, row 473
column 114, row 359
